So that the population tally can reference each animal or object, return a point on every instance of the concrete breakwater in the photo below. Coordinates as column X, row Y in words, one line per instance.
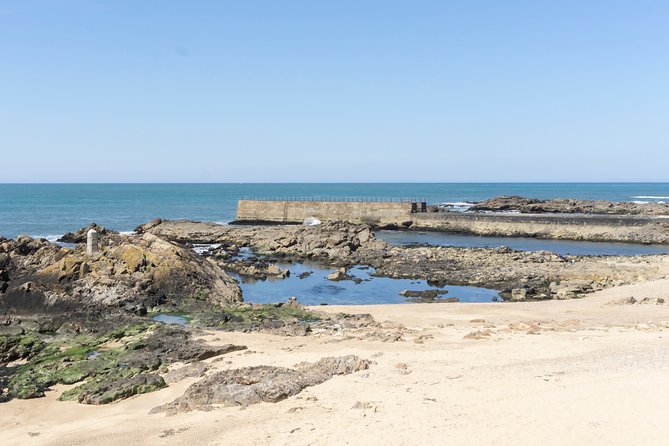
column 375, row 213
column 610, row 228
column 414, row 215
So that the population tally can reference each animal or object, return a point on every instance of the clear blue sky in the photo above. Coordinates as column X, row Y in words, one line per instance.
column 243, row 91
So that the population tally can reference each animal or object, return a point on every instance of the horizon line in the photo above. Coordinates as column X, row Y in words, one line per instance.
column 327, row 182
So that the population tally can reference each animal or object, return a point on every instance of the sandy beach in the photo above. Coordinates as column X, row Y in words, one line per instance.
column 334, row 223
column 586, row 371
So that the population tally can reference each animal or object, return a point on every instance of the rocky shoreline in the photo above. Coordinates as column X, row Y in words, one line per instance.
column 570, row 206
column 70, row 318
column 533, row 275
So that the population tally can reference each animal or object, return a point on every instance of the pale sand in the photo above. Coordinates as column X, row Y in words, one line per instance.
column 601, row 380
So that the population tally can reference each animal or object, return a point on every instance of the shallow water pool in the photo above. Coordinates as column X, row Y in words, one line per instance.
column 315, row 289
column 562, row 247
column 174, row 319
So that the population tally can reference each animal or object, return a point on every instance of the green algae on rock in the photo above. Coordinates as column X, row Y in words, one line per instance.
column 112, row 365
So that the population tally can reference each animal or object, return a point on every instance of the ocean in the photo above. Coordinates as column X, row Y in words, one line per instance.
column 49, row 210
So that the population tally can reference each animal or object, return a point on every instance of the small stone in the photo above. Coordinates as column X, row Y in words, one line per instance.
column 652, row 301
column 338, row 275
column 624, row 301
column 518, row 294
column 478, row 334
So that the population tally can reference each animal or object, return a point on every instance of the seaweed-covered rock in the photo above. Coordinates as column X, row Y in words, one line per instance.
column 171, row 343
column 286, row 319
column 19, row 347
column 107, row 362
column 106, row 391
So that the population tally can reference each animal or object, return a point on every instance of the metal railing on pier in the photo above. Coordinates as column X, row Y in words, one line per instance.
column 337, row 199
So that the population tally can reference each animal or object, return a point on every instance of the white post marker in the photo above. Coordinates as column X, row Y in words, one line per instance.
column 92, row 242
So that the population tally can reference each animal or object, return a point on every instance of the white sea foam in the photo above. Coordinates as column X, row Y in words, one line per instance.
column 458, row 206
column 457, row 203
column 50, row 237
column 204, row 247
column 127, row 232
column 53, row 238
column 652, row 197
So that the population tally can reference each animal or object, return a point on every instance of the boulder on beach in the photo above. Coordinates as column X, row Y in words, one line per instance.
column 252, row 385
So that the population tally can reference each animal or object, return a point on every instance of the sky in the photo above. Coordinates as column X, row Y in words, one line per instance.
column 333, row 91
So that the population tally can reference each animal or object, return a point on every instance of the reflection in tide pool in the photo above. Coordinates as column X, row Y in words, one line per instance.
column 315, row 289
column 562, row 247
column 171, row 319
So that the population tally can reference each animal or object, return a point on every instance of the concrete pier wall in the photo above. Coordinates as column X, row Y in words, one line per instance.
column 592, row 227
column 373, row 213
column 618, row 228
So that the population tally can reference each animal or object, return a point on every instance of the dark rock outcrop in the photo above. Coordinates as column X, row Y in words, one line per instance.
column 171, row 343
column 259, row 270
column 569, row 206
column 427, row 296
column 335, row 242
column 194, row 370
column 81, row 234
column 431, row 294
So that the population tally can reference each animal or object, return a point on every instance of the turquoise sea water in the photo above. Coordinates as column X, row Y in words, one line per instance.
column 49, row 210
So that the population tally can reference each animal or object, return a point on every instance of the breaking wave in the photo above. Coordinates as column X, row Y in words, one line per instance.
column 457, row 205
column 50, row 237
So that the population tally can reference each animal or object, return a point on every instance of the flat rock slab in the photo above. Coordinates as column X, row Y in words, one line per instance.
column 194, row 370
column 253, row 385
column 123, row 388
